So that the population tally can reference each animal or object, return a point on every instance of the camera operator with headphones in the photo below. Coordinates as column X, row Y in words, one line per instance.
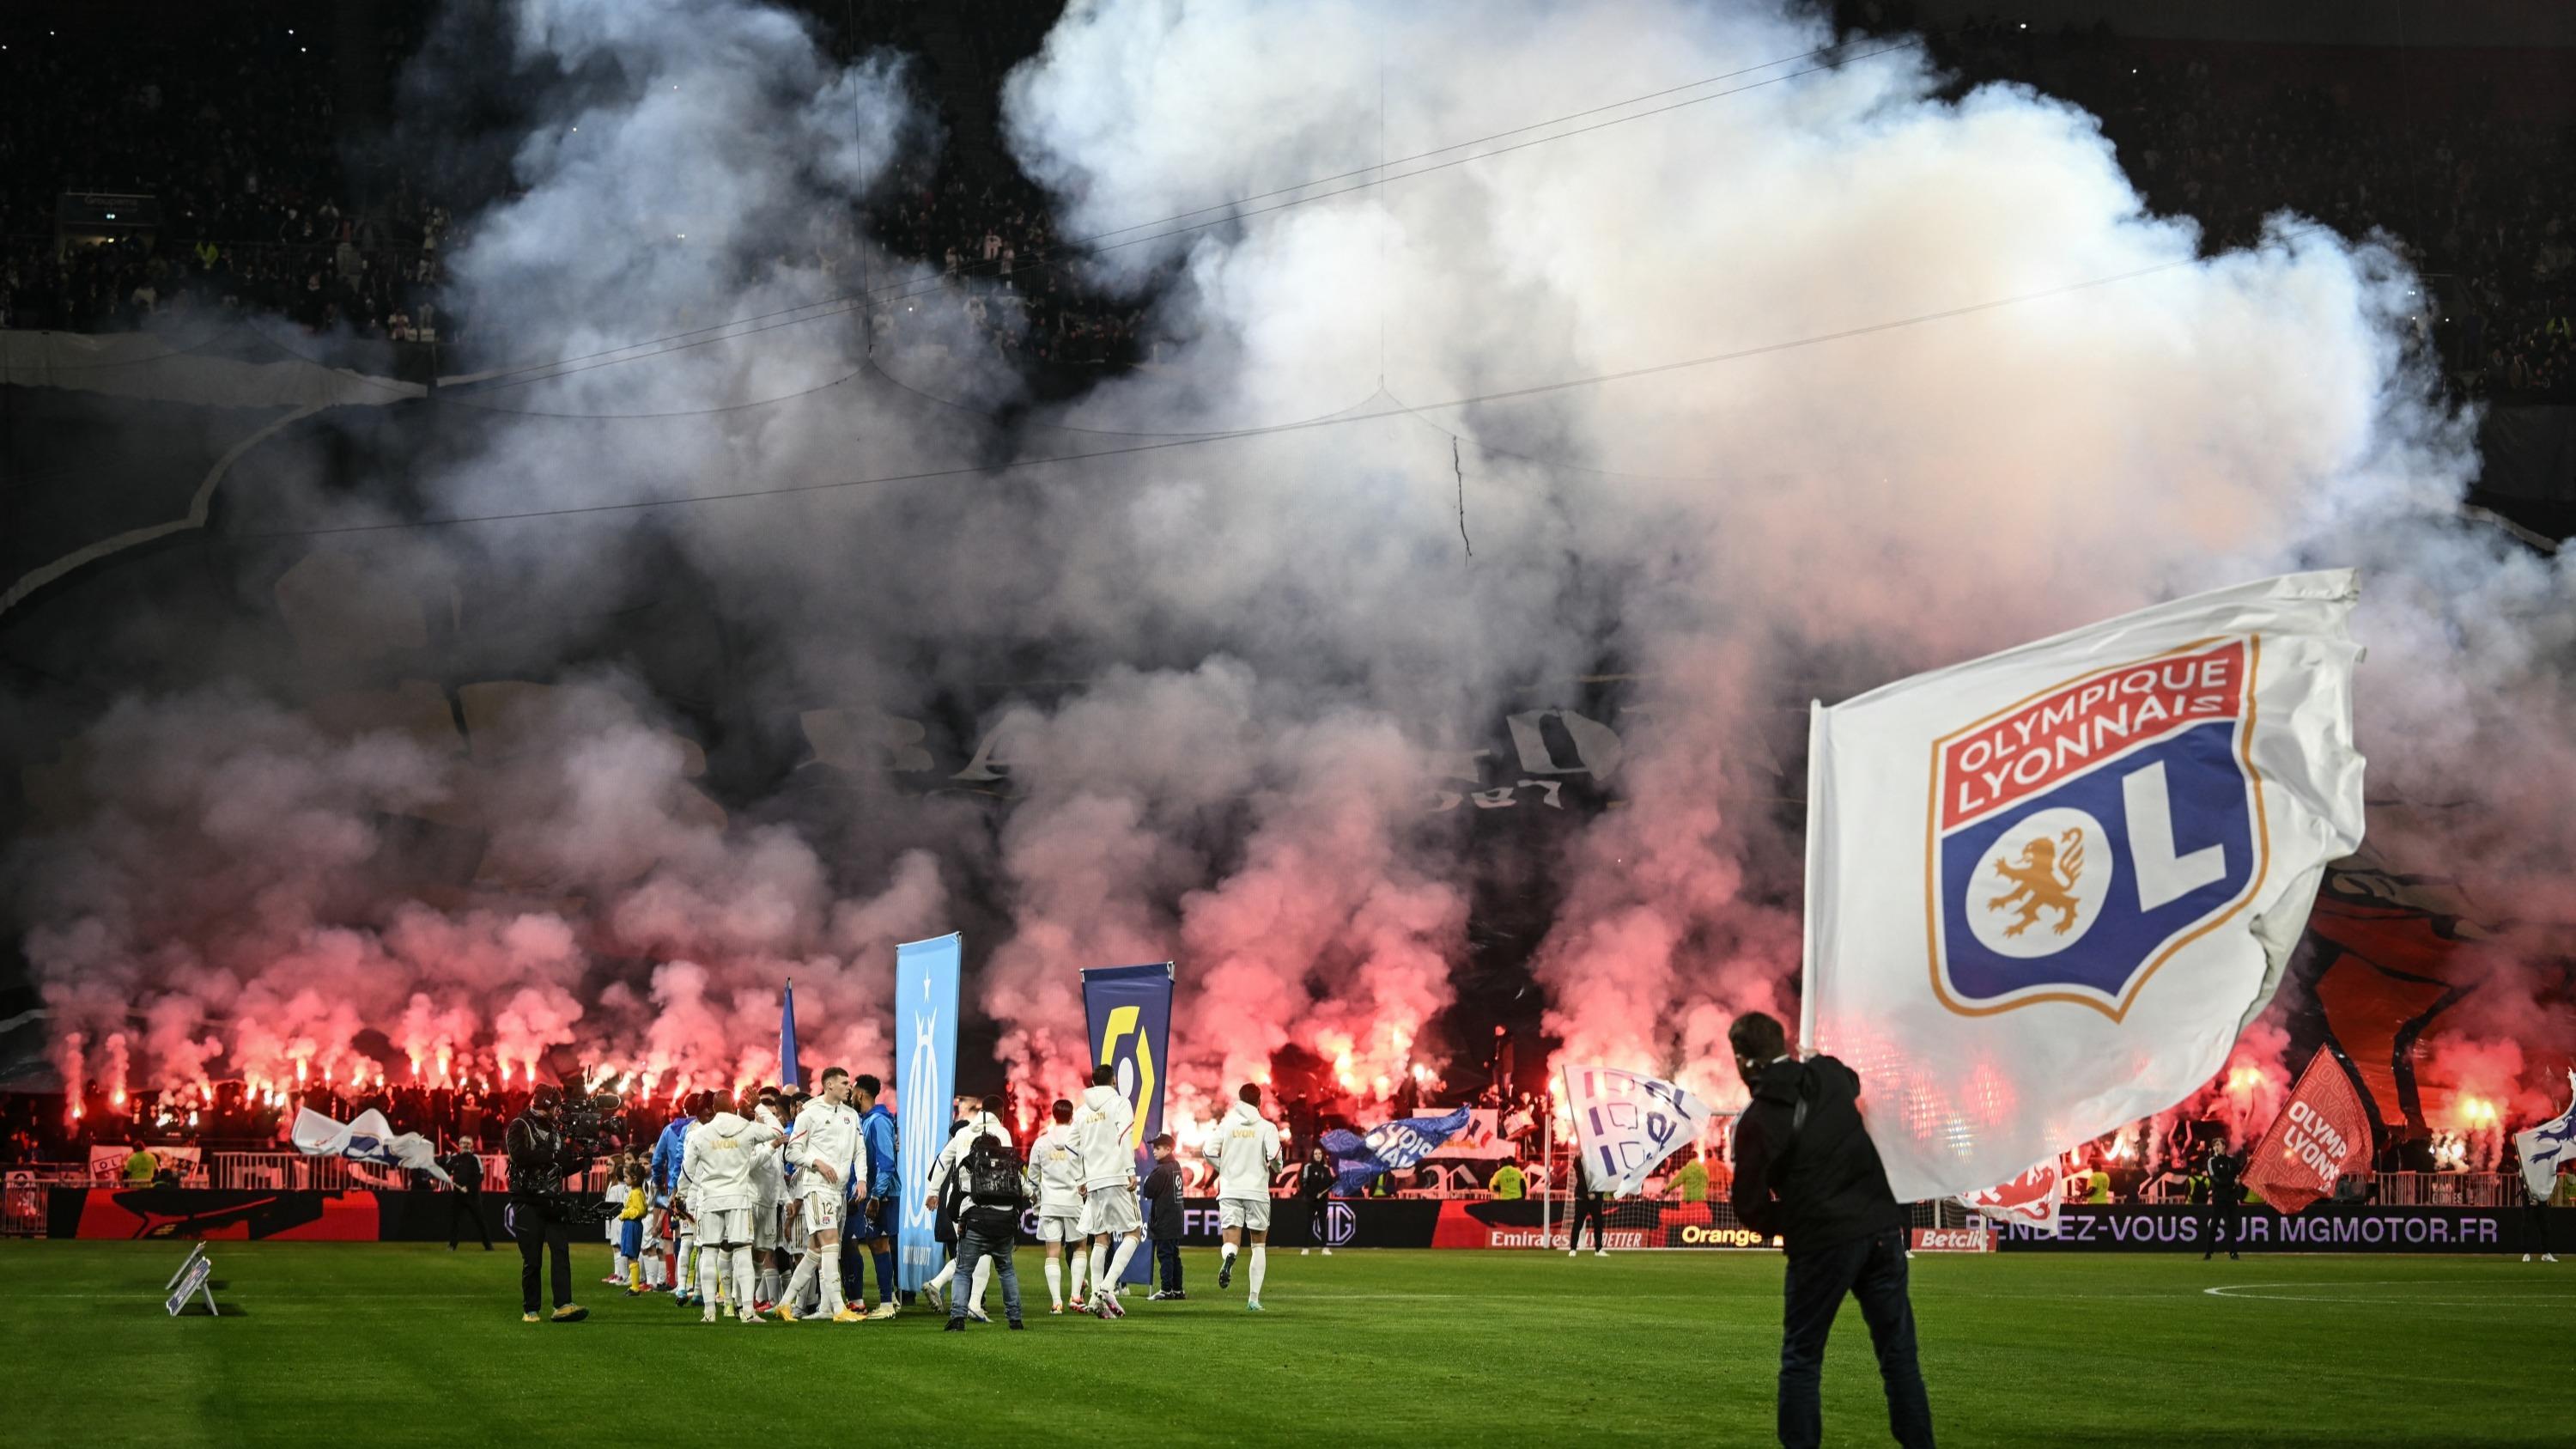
column 540, row 1159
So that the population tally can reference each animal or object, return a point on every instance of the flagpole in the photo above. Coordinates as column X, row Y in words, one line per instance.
column 1547, row 1163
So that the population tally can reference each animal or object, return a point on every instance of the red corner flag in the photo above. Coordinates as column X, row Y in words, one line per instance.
column 2322, row 1131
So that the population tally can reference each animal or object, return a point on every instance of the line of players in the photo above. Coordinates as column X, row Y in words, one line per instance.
column 729, row 1191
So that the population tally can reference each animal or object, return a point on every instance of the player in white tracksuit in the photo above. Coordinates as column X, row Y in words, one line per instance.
column 825, row 1151
column 769, row 1190
column 952, row 1160
column 1103, row 1136
column 1055, row 1173
column 1244, row 1150
column 720, row 1163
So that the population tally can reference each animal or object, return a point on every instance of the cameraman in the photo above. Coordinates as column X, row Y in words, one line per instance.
column 539, row 1161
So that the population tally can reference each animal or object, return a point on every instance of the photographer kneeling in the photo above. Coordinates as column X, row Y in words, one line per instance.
column 540, row 1159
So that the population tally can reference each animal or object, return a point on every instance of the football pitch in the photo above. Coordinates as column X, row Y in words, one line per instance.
column 338, row 1344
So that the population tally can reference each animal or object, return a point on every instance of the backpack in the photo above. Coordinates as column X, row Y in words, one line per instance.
column 995, row 1189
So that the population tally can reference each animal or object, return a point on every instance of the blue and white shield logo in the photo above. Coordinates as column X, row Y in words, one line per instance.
column 2082, row 836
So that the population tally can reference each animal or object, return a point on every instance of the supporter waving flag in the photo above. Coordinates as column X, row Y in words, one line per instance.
column 1389, row 1148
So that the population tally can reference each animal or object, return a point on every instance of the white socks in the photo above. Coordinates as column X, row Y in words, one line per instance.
column 1099, row 1268
column 1078, row 1265
column 745, row 1279
column 941, row 1279
column 1118, row 1264
column 801, row 1279
column 1229, row 1252
column 710, row 1278
column 1055, row 1283
column 1260, row 1264
column 768, row 1284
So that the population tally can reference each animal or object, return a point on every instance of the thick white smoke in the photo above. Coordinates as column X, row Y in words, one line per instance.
column 1286, row 638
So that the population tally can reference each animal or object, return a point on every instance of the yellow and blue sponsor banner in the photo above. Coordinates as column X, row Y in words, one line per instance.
column 925, row 1068
column 1129, row 1012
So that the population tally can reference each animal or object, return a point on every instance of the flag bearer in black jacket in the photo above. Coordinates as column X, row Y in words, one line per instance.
column 1806, row 1171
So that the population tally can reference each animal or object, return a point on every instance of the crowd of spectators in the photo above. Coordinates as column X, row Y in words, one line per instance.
column 233, row 129
column 229, row 130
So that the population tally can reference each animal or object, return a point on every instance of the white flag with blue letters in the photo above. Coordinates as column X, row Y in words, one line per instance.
column 2547, row 1148
column 2046, row 889
column 1627, row 1123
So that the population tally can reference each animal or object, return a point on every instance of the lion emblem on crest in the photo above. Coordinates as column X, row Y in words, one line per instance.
column 2043, row 879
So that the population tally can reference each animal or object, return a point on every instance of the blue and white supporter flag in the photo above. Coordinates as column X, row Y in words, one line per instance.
column 1393, row 1147
column 370, row 1138
column 2047, row 888
column 1627, row 1123
column 2547, row 1148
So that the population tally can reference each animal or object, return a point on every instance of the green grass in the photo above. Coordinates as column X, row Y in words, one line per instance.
column 333, row 1344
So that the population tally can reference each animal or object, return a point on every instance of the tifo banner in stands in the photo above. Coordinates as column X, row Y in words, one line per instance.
column 2135, row 1228
column 1481, row 1140
column 107, row 1159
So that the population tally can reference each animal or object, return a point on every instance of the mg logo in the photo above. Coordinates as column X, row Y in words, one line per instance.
column 1341, row 1225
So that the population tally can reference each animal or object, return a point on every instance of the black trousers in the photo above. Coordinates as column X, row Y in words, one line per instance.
column 2222, row 1225
column 1871, row 1269
column 2535, row 1219
column 536, row 1234
column 1588, row 1209
column 467, row 1202
column 1167, row 1263
column 1318, row 1220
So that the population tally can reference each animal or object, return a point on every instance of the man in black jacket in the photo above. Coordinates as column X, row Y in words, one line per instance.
column 465, row 1201
column 1806, row 1171
column 2224, row 1219
column 539, row 1162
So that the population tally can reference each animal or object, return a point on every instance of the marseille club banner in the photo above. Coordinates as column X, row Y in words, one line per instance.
column 1390, row 1147
column 2321, row 1133
column 1626, row 1124
column 2546, row 1149
column 1129, row 1011
column 2122, row 829
column 2031, row 1199
column 925, row 1069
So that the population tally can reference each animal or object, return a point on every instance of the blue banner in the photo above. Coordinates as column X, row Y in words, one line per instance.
column 1389, row 1148
column 925, row 1069
column 1129, row 1010
column 787, row 1072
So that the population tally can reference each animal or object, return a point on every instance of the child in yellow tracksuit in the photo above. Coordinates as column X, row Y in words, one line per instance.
column 631, row 1228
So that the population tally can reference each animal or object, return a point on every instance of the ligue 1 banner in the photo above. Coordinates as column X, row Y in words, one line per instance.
column 1128, row 1012
column 925, row 1069
column 2122, row 830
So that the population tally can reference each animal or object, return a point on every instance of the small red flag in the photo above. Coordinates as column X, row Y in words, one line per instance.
column 2323, row 1131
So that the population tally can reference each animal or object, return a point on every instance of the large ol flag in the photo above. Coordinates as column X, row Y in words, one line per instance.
column 1627, row 1123
column 2046, row 889
column 925, row 1069
column 2322, row 1132
column 2547, row 1148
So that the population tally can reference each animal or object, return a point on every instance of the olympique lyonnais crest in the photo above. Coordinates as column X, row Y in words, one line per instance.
column 2083, row 835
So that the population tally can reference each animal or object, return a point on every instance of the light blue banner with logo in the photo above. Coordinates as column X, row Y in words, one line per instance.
column 925, row 1069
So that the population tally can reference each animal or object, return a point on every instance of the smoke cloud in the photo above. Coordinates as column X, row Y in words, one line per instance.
column 1971, row 393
